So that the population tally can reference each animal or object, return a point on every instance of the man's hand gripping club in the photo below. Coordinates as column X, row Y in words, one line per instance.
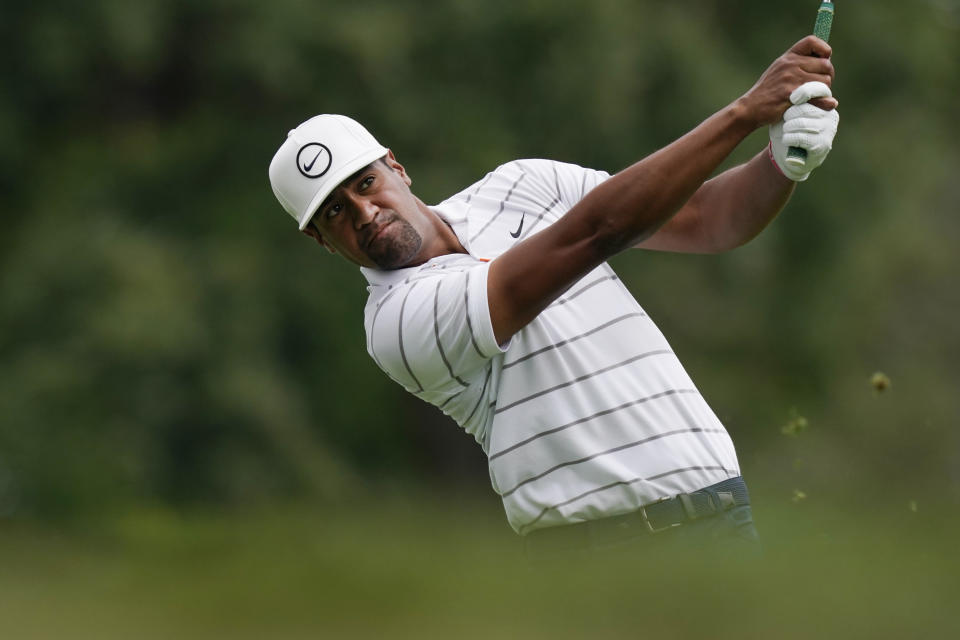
column 804, row 126
column 810, row 119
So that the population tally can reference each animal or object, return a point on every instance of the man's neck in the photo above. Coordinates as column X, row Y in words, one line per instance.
column 442, row 242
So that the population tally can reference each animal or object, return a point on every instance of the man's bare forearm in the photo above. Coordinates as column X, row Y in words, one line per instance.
column 634, row 203
column 739, row 203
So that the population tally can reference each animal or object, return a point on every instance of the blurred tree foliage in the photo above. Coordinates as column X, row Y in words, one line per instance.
column 165, row 334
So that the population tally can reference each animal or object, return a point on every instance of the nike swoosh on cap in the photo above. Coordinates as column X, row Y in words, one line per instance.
column 307, row 167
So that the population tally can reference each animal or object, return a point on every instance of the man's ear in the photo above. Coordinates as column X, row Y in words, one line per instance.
column 391, row 161
column 312, row 231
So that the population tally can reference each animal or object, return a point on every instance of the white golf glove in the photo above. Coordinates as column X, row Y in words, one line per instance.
column 807, row 127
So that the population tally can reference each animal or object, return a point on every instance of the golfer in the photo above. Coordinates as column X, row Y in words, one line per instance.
column 497, row 306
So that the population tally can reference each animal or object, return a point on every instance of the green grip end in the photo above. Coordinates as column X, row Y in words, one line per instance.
column 824, row 22
column 797, row 157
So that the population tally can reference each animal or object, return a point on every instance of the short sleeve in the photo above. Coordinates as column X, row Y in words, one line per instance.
column 433, row 333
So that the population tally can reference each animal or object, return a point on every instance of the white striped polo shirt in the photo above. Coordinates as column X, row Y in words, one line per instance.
column 586, row 412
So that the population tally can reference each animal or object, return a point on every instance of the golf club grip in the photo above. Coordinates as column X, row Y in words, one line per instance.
column 797, row 156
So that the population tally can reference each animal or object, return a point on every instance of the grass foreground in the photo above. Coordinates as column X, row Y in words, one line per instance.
column 429, row 567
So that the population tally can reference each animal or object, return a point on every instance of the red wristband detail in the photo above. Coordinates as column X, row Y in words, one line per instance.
column 774, row 160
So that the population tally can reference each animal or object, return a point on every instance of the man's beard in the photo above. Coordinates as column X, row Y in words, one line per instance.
column 397, row 247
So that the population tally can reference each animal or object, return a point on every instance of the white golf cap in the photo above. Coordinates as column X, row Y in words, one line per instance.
column 315, row 158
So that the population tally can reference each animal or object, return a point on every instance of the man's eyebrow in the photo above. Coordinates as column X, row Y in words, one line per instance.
column 345, row 182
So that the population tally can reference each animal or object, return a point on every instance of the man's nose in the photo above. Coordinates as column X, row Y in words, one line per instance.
column 364, row 212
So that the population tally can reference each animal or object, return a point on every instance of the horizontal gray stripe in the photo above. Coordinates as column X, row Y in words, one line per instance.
column 584, row 377
column 373, row 349
column 622, row 447
column 436, row 335
column 403, row 353
column 503, row 204
column 477, row 190
column 466, row 302
column 449, row 400
column 563, row 343
column 483, row 391
column 605, row 412
column 584, row 289
column 617, row 484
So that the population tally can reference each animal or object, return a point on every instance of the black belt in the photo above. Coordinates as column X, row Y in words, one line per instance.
column 648, row 520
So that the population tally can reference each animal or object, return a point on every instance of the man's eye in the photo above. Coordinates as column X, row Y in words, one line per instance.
column 333, row 210
column 366, row 182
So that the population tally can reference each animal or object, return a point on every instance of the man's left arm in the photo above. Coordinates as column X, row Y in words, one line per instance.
column 734, row 207
column 727, row 211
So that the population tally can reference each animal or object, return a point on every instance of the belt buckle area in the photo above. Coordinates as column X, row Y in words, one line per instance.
column 646, row 518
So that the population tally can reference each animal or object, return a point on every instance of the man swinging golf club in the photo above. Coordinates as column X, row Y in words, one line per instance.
column 497, row 306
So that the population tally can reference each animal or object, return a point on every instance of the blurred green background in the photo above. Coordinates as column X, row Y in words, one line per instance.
column 194, row 443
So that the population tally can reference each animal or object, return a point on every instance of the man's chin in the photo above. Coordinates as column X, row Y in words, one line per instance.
column 397, row 252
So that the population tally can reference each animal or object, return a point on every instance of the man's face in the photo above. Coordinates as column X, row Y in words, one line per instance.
column 372, row 219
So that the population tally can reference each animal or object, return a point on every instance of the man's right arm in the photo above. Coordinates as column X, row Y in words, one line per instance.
column 633, row 204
